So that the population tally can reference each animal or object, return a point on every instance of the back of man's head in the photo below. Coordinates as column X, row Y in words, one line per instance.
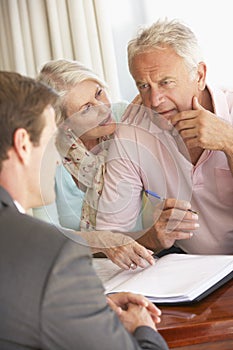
column 22, row 101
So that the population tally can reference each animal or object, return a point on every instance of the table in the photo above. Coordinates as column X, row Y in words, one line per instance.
column 207, row 324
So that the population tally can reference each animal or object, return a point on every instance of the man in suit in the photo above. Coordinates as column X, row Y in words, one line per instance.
column 50, row 296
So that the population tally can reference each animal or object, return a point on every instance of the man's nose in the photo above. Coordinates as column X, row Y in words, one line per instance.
column 156, row 97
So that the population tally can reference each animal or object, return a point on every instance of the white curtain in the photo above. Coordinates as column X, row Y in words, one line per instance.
column 35, row 31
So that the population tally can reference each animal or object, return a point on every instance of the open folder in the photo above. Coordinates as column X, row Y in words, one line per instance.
column 174, row 278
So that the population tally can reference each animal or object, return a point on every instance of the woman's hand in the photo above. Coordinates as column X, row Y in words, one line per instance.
column 125, row 252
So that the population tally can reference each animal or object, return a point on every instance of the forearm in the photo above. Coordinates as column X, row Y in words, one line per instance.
column 101, row 241
column 97, row 240
column 148, row 239
column 144, row 336
column 94, row 239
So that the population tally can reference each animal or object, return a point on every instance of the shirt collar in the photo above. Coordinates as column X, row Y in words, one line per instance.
column 19, row 207
column 219, row 100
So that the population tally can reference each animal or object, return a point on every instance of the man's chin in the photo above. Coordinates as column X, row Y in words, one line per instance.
column 46, row 199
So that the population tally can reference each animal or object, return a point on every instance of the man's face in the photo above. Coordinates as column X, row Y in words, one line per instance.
column 164, row 81
column 43, row 163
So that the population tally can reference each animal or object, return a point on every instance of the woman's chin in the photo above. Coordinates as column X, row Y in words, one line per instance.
column 100, row 131
column 108, row 129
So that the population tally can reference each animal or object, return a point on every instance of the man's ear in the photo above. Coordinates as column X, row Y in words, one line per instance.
column 201, row 75
column 22, row 145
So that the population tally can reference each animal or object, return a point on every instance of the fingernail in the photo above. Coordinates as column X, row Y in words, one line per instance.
column 194, row 216
column 150, row 251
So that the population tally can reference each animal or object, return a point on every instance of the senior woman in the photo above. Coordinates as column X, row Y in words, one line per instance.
column 86, row 121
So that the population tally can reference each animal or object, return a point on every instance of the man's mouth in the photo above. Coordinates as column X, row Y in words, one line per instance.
column 167, row 114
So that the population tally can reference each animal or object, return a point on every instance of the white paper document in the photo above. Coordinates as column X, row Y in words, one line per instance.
column 174, row 278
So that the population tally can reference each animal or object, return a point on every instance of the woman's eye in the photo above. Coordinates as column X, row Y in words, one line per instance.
column 99, row 93
column 85, row 108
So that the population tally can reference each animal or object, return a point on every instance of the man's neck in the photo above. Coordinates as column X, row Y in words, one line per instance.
column 206, row 100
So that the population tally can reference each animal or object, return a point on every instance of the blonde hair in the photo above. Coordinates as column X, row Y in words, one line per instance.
column 62, row 75
column 165, row 33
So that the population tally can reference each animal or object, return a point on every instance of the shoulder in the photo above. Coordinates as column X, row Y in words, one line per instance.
column 24, row 226
column 65, row 182
column 40, row 235
column 118, row 109
column 134, row 134
column 229, row 98
column 223, row 102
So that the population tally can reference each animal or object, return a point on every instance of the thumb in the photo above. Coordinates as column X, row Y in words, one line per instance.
column 114, row 307
column 196, row 104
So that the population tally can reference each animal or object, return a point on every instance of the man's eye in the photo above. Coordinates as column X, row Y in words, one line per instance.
column 167, row 82
column 143, row 86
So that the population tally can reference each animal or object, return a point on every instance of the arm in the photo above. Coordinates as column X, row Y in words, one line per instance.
column 121, row 201
column 120, row 248
column 75, row 314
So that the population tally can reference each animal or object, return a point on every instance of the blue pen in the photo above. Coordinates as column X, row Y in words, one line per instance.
column 154, row 194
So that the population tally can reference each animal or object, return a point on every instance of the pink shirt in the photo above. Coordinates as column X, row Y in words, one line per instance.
column 144, row 156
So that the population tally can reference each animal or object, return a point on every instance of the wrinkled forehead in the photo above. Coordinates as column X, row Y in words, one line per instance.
column 157, row 61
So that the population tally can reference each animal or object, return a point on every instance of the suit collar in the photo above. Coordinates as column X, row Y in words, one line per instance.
column 5, row 199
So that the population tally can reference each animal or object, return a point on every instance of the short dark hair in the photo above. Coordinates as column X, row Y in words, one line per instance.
column 22, row 102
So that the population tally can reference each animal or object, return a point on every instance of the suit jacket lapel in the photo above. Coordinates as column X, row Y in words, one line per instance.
column 5, row 199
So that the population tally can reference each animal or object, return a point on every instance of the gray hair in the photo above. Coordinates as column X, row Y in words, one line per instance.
column 62, row 75
column 165, row 33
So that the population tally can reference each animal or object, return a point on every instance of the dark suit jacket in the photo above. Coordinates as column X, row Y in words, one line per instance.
column 50, row 296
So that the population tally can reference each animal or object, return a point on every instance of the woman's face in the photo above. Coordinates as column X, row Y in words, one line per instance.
column 88, row 107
